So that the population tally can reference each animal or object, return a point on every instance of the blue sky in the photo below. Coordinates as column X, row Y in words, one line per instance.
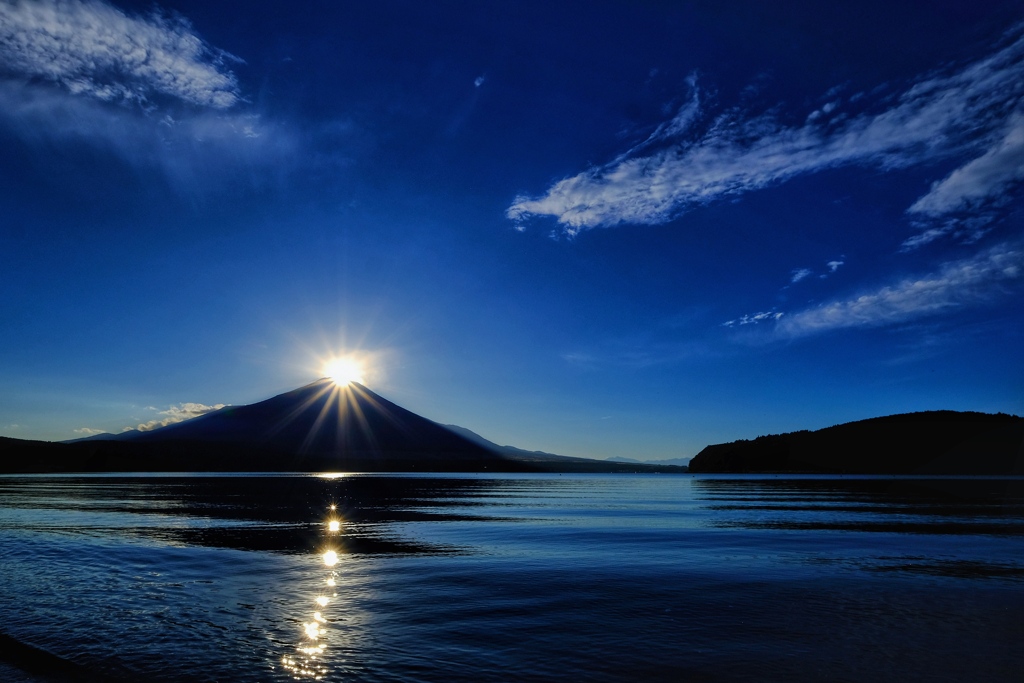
column 592, row 228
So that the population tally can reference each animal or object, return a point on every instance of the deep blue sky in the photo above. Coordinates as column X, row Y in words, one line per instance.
column 592, row 228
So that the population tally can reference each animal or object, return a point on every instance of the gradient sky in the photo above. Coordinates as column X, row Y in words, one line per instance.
column 593, row 228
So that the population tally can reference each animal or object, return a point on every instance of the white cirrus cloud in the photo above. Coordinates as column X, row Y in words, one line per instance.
column 88, row 431
column 965, row 203
column 63, row 63
column 833, row 266
column 955, row 285
column 988, row 174
column 754, row 318
column 970, row 110
column 799, row 274
column 178, row 413
column 94, row 49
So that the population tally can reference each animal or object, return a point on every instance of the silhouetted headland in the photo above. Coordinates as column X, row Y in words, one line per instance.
column 934, row 442
column 318, row 427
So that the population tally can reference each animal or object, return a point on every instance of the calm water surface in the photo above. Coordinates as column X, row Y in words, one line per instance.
column 512, row 577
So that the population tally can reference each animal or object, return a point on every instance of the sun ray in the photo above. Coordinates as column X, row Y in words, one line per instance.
column 284, row 422
column 325, row 410
column 383, row 409
column 352, row 407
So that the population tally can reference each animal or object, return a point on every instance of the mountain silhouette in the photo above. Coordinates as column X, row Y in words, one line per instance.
column 322, row 425
column 318, row 427
column 321, row 418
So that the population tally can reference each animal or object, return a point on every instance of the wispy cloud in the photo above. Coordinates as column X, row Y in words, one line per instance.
column 88, row 431
column 987, row 175
column 696, row 158
column 93, row 49
column 180, row 147
column 956, row 284
column 754, row 318
column 799, row 274
column 964, row 202
column 178, row 413
column 145, row 89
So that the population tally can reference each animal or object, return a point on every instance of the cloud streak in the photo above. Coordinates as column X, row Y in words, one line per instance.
column 987, row 175
column 955, row 285
column 754, row 318
column 799, row 274
column 966, row 202
column 684, row 165
column 93, row 49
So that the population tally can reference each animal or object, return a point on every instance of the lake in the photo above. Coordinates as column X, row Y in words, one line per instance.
column 511, row 577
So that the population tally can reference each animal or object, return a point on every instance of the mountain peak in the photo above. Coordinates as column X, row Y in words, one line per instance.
column 322, row 418
column 320, row 426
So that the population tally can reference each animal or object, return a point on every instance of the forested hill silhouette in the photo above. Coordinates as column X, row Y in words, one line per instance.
column 317, row 427
column 934, row 442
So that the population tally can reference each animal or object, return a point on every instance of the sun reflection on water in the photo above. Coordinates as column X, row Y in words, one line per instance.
column 312, row 630
column 309, row 660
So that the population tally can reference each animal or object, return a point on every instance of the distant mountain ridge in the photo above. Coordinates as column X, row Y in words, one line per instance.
column 932, row 442
column 677, row 462
column 508, row 450
column 525, row 454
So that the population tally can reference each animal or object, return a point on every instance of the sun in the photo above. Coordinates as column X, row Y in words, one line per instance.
column 344, row 370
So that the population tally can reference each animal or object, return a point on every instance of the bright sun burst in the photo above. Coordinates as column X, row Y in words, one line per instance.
column 344, row 371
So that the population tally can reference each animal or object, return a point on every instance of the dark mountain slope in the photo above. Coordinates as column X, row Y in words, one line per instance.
column 550, row 462
column 322, row 418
